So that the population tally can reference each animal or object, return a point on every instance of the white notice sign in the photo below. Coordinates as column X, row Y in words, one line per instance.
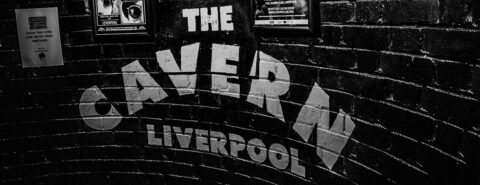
column 39, row 37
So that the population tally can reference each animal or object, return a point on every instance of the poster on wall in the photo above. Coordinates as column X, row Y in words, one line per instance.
column 39, row 37
column 121, row 17
column 285, row 15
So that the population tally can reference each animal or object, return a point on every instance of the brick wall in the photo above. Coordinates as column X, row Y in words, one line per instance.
column 405, row 71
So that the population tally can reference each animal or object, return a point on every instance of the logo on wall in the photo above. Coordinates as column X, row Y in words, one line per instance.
column 121, row 17
column 256, row 84
column 140, row 88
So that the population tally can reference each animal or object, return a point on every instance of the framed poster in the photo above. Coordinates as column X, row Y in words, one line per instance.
column 121, row 17
column 285, row 16
column 39, row 37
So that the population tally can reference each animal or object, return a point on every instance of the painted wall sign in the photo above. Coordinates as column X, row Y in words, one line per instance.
column 215, row 40
column 285, row 14
column 39, row 37
column 121, row 17
column 140, row 87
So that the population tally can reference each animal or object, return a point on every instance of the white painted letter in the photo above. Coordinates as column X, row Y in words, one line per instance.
column 220, row 84
column 278, row 156
column 185, row 84
column 167, row 135
column 226, row 18
column 237, row 143
column 90, row 115
column 152, row 140
column 332, row 140
column 202, row 140
column 191, row 15
column 218, row 140
column 256, row 150
column 183, row 138
column 315, row 111
column 133, row 73
column 267, row 88
column 295, row 167
column 207, row 19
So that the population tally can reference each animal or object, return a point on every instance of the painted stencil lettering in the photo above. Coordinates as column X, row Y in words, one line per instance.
column 185, row 83
column 211, row 18
column 220, row 83
column 134, row 74
column 274, row 81
column 279, row 155
column 90, row 115
column 270, row 81
column 330, row 140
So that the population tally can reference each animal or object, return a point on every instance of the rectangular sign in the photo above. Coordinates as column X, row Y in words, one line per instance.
column 284, row 17
column 281, row 12
column 39, row 37
column 120, row 17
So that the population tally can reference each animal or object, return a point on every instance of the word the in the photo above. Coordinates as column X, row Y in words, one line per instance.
column 222, row 22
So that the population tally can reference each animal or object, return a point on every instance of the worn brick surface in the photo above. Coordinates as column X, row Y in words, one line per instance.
column 406, row 71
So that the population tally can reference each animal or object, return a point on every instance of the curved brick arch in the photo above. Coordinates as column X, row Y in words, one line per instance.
column 387, row 95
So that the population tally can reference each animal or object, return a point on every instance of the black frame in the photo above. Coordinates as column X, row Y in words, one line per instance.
column 313, row 27
column 137, row 35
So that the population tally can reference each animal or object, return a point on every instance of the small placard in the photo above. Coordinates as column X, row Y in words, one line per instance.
column 286, row 15
column 39, row 37
column 121, row 17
